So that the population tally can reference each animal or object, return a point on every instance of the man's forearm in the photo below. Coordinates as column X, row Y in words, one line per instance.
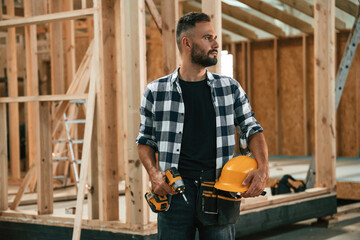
column 259, row 150
column 147, row 157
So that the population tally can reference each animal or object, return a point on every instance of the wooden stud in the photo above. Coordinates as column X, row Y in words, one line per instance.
column 213, row 9
column 32, row 89
column 248, row 70
column 56, row 51
column 47, row 18
column 170, row 15
column 25, row 183
column 324, row 88
column 278, row 98
column 13, row 92
column 44, row 163
column 306, row 96
column 105, row 109
column 308, row 9
column 69, row 31
column 3, row 159
column 154, row 13
column 136, row 177
column 251, row 19
column 274, row 12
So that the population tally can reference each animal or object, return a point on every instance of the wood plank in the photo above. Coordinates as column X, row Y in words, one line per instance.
column 325, row 135
column 348, row 7
column 154, row 13
column 137, row 178
column 86, row 152
column 105, row 109
column 25, row 183
column 3, row 159
column 238, row 29
column 47, row 18
column 308, row 9
column 69, row 31
column 43, row 98
column 251, row 19
column 276, row 13
column 213, row 9
column 169, row 17
column 12, row 73
column 44, row 163
column 277, row 81
column 305, row 95
column 56, row 51
column 348, row 190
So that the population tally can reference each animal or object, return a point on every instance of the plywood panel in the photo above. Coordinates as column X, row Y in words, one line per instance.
column 263, row 89
column 346, row 114
column 291, row 102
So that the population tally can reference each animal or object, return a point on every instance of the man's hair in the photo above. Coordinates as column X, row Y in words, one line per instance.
column 187, row 22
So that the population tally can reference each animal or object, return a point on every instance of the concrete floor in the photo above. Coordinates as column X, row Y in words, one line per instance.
column 343, row 227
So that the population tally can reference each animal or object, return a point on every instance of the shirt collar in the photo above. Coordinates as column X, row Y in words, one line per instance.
column 175, row 76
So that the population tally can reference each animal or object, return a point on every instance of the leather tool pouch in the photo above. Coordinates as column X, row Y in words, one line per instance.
column 218, row 207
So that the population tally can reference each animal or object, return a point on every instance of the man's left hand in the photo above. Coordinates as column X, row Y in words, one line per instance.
column 257, row 179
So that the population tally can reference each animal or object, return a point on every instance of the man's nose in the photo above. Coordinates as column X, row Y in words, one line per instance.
column 215, row 45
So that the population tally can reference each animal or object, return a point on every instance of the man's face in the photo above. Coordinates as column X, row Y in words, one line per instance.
column 204, row 45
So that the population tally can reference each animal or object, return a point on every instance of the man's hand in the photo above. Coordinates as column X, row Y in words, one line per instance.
column 159, row 185
column 257, row 179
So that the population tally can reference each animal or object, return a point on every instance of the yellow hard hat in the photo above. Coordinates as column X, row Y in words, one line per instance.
column 234, row 173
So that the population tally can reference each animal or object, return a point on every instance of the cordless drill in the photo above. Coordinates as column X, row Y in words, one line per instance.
column 161, row 203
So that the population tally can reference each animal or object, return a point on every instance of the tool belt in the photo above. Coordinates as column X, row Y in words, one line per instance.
column 217, row 206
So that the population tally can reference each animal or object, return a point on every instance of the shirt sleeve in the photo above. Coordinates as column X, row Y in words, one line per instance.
column 245, row 121
column 147, row 128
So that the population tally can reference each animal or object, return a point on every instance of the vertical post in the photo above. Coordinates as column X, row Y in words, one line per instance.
column 306, row 96
column 32, row 88
column 325, row 145
column 277, row 98
column 213, row 9
column 69, row 30
column 45, row 177
column 3, row 159
column 13, row 92
column 137, row 180
column 105, row 110
column 57, row 51
column 169, row 16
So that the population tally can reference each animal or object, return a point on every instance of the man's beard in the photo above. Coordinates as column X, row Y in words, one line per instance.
column 198, row 56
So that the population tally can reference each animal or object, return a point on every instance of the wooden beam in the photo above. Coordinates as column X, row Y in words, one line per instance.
column 306, row 96
column 154, row 13
column 308, row 9
column 69, row 32
column 3, row 159
column 32, row 89
column 324, row 89
column 86, row 152
column 227, row 24
column 47, row 18
column 43, row 98
column 251, row 19
column 25, row 183
column 348, row 7
column 170, row 15
column 106, row 108
column 276, row 13
column 277, row 94
column 137, row 178
column 44, row 163
column 213, row 9
column 56, row 51
column 12, row 73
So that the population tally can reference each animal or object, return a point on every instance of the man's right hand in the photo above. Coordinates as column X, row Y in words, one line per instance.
column 159, row 185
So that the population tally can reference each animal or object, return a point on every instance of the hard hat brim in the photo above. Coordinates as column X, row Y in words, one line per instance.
column 230, row 187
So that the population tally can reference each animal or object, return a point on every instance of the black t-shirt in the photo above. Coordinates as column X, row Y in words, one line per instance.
column 198, row 146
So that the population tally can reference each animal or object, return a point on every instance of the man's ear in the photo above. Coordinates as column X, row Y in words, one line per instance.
column 186, row 42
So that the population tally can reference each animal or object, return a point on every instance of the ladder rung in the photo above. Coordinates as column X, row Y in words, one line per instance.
column 78, row 101
column 60, row 158
column 76, row 121
column 77, row 141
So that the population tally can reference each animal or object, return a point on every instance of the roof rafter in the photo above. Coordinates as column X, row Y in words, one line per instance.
column 226, row 24
column 348, row 7
column 308, row 9
column 285, row 17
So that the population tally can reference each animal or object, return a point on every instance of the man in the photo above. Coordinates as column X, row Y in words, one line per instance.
column 188, row 118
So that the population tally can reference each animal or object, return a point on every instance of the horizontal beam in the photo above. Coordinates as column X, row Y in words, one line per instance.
column 348, row 7
column 46, row 18
column 251, row 19
column 308, row 9
column 276, row 13
column 43, row 98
